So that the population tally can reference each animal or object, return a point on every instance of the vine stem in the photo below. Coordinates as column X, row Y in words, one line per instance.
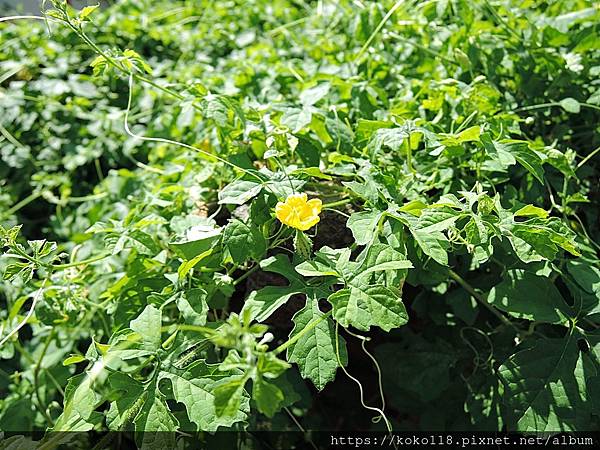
column 36, row 298
column 6, row 19
column 312, row 324
column 26, row 201
column 467, row 287
column 172, row 142
column 80, row 263
column 550, row 104
column 338, row 203
column 378, row 28
column 36, row 375
column 587, row 158
column 246, row 274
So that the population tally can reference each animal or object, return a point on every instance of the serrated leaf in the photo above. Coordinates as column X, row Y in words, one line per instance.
column 364, row 307
column 315, row 351
column 546, row 387
column 148, row 325
column 528, row 159
column 239, row 192
column 363, row 225
column 243, row 241
column 194, row 388
column 267, row 396
column 155, row 425
column 528, row 296
column 228, row 396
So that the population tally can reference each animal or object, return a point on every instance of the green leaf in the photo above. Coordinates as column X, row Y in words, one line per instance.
column 363, row 224
column 86, row 11
column 128, row 398
column 528, row 296
column 315, row 269
column 73, row 359
column 571, row 105
column 194, row 388
column 382, row 257
column 364, row 307
column 433, row 245
column 315, row 351
column 388, row 137
column 148, row 325
column 199, row 240
column 155, row 425
column 267, row 396
column 546, row 386
column 312, row 95
column 239, row 192
column 187, row 266
column 79, row 404
column 296, row 119
column 264, row 302
column 193, row 307
column 531, row 211
column 528, row 159
column 414, row 207
column 468, row 135
column 243, row 241
column 228, row 396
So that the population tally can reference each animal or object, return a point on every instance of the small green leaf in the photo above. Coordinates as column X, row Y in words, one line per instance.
column 239, row 192
column 468, row 135
column 85, row 12
column 228, row 396
column 267, row 396
column 148, row 325
column 571, row 105
column 74, row 359
column 531, row 211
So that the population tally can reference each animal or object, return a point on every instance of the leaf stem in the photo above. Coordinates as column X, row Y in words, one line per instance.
column 36, row 375
column 80, row 263
column 337, row 203
column 467, row 287
column 246, row 274
column 26, row 201
column 587, row 158
column 312, row 324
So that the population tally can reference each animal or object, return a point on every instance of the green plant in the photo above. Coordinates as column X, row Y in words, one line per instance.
column 452, row 272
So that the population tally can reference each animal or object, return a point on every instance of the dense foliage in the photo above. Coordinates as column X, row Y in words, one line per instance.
column 452, row 280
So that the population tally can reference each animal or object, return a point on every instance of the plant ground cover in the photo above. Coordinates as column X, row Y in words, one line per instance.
column 272, row 215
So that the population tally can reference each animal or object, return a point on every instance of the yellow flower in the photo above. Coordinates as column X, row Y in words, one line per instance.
column 299, row 212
